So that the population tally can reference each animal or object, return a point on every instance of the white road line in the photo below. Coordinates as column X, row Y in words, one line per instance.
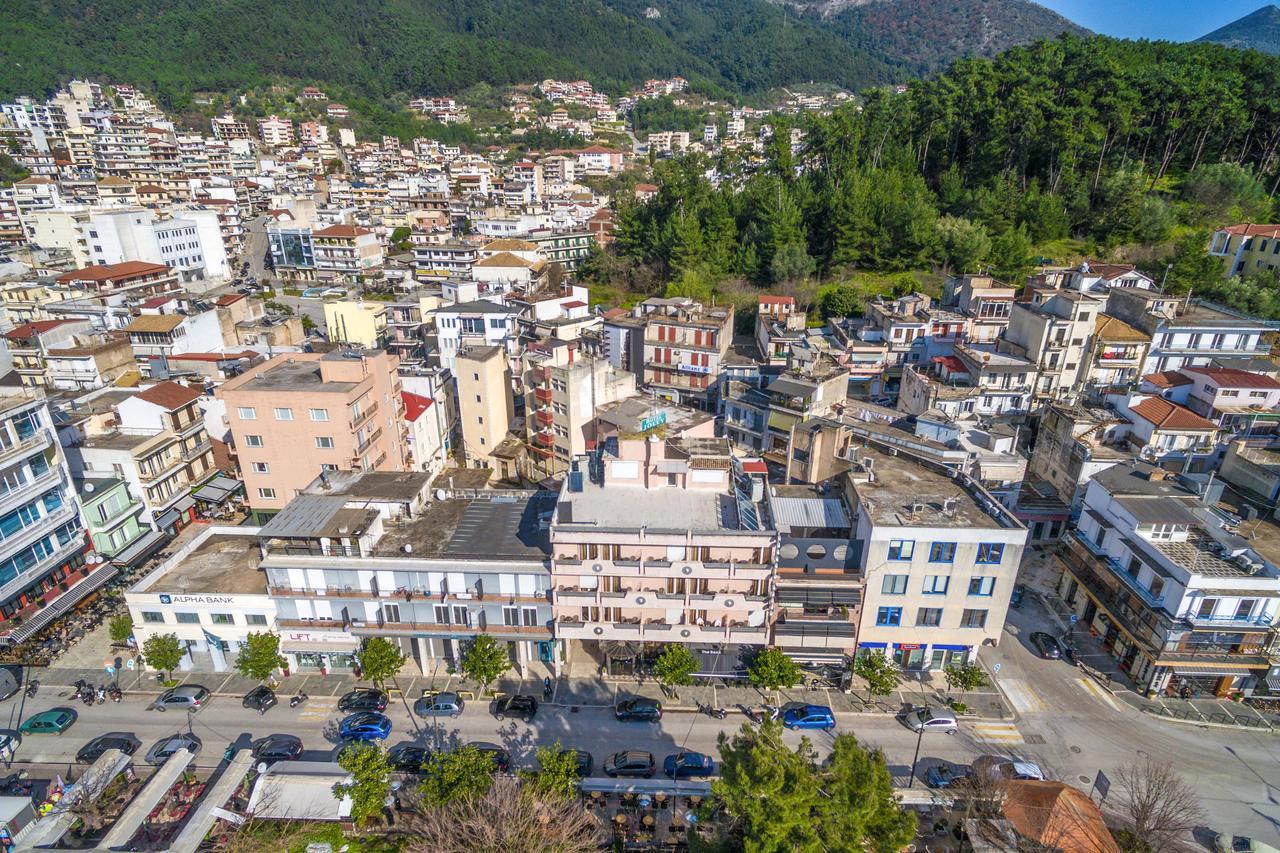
column 1022, row 695
column 996, row 731
column 1094, row 689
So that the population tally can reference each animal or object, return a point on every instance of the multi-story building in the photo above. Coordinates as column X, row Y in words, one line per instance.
column 89, row 362
column 356, row 322
column 113, row 517
column 29, row 345
column 1178, row 598
column 975, row 381
column 300, row 414
column 760, row 419
column 684, row 343
column 275, row 132
column 1188, row 332
column 139, row 276
column 346, row 250
column 1054, row 330
column 227, row 127
column 661, row 543
column 1246, row 249
column 940, row 556
column 563, row 390
column 480, row 323
column 1119, row 353
column 485, row 402
column 987, row 303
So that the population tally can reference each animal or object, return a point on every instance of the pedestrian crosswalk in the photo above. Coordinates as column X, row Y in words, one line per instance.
column 990, row 731
column 1022, row 696
column 1096, row 691
column 318, row 708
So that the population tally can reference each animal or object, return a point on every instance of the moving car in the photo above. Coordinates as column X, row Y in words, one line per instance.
column 809, row 717
column 1047, row 645
column 260, row 699
column 94, row 749
column 1007, row 767
column 440, row 705
column 166, row 747
column 930, row 720
column 273, row 748
column 52, row 722
column 946, row 775
column 633, row 763
column 188, row 697
column 501, row 758
column 688, row 765
column 365, row 726
column 363, row 700
column 521, row 706
column 640, row 709
column 585, row 762
column 408, row 757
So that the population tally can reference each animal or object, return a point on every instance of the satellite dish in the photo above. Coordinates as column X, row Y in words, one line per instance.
column 440, row 494
column 408, row 549
column 88, row 488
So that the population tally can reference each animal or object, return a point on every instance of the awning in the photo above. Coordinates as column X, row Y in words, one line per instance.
column 946, row 648
column 62, row 603
column 167, row 518
column 620, row 650
column 336, row 647
column 783, row 421
column 184, row 503
column 719, row 661
column 1211, row 673
column 218, row 489
column 141, row 548
column 872, row 645
column 834, row 596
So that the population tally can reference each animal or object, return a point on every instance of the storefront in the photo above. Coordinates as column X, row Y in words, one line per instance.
column 919, row 657
column 319, row 651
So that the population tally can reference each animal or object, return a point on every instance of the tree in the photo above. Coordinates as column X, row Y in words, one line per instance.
column 1225, row 192
column 838, row 300
column 879, row 671
column 1191, row 268
column 1011, row 255
column 308, row 325
column 163, row 652
column 964, row 244
column 772, row 669
column 484, row 661
column 1158, row 805
column 260, row 656
column 506, row 817
column 675, row 666
column 964, row 677
column 462, row 774
column 859, row 811
column 121, row 628
column 767, row 790
column 557, row 775
column 380, row 659
column 370, row 780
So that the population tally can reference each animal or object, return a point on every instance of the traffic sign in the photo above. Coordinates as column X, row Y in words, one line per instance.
column 996, row 667
column 1074, row 618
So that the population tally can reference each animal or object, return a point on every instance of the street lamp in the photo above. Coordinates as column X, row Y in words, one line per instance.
column 919, row 737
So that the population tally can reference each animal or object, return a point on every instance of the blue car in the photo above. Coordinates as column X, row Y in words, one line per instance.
column 687, row 765
column 365, row 726
column 809, row 717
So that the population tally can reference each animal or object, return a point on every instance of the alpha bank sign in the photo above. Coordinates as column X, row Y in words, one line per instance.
column 196, row 599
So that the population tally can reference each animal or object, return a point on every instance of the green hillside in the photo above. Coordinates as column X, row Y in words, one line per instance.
column 1258, row 30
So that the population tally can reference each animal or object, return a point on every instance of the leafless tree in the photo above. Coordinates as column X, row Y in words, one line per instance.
column 507, row 819
column 1158, row 807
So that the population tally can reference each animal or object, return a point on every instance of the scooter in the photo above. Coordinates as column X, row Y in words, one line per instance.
column 101, row 695
column 297, row 700
column 115, row 693
column 718, row 713
column 32, row 687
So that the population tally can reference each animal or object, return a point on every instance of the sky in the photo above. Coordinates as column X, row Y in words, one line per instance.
column 1173, row 20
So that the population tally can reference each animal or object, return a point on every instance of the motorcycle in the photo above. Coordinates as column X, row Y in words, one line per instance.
column 718, row 713
column 16, row 784
column 32, row 687
column 297, row 700
column 81, row 686
column 115, row 693
column 101, row 695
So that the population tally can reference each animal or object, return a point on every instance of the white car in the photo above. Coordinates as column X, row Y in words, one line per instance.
column 929, row 720
column 1007, row 767
column 1228, row 843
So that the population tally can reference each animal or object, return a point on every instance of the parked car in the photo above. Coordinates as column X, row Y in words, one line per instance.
column 809, row 717
column 167, row 746
column 93, row 750
column 930, row 720
column 1046, row 645
column 260, row 699
column 367, row 699
column 1019, row 592
column 52, row 722
column 946, row 775
column 640, row 709
column 688, row 765
column 273, row 748
column 188, row 697
column 1007, row 767
column 408, row 757
column 585, row 762
column 521, row 706
column 633, row 763
column 365, row 726
column 501, row 758
column 440, row 705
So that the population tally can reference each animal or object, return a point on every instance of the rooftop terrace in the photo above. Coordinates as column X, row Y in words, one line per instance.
column 221, row 564
column 907, row 493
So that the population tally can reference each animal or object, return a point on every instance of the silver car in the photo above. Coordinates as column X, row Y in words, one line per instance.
column 188, row 697
column 440, row 705
column 929, row 720
column 166, row 747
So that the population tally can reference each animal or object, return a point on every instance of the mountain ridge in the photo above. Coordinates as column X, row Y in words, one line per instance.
column 1258, row 30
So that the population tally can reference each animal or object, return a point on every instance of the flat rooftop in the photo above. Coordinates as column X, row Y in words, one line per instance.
column 293, row 376
column 902, row 485
column 223, row 564
column 501, row 527
column 372, row 485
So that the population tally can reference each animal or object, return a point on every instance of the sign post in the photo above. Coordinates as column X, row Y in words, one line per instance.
column 1102, row 785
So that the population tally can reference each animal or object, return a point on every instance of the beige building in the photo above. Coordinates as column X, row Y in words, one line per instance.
column 485, row 403
column 300, row 414
column 357, row 322
column 564, row 391
column 1054, row 330
column 684, row 343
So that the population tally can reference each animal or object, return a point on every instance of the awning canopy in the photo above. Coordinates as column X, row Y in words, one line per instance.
column 167, row 518
column 834, row 596
column 620, row 650
column 141, row 548
column 62, row 603
column 217, row 490
column 184, row 503
column 338, row 647
column 719, row 661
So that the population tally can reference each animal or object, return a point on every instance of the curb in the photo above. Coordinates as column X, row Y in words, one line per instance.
column 1271, row 730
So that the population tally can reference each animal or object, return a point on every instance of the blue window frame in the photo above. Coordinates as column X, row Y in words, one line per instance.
column 936, row 584
column 990, row 553
column 982, row 585
column 889, row 616
column 942, row 552
column 901, row 549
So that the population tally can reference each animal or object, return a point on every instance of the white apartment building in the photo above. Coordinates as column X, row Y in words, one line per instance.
column 480, row 323
column 275, row 132
column 190, row 243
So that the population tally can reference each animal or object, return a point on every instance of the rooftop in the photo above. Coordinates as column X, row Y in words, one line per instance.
column 907, row 493
column 223, row 564
column 501, row 527
column 312, row 516
column 289, row 374
column 372, row 485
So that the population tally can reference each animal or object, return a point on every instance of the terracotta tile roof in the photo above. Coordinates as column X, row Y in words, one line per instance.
column 507, row 244
column 1114, row 330
column 577, row 303
column 1109, row 271
column 159, row 323
column 27, row 330
column 157, row 301
column 777, row 300
column 505, row 259
column 112, row 272
column 415, row 405
column 341, row 231
column 1251, row 230
column 1167, row 379
column 170, row 395
column 1230, row 377
column 228, row 299
column 1058, row 816
column 1165, row 415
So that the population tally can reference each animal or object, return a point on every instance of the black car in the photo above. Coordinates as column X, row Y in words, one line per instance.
column 94, row 749
column 274, row 748
column 363, row 700
column 408, row 757
column 260, row 699
column 1047, row 645
column 641, row 709
column 585, row 762
column 501, row 758
column 521, row 706
column 633, row 762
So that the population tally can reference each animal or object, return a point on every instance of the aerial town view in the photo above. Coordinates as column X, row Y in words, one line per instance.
column 834, row 426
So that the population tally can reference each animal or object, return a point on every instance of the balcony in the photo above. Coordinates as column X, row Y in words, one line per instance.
column 43, row 567
column 369, row 441
column 543, row 417
column 50, row 478
column 197, row 451
column 541, row 374
column 571, row 628
column 1152, row 601
column 364, row 416
column 545, row 439
column 37, row 441
column 542, row 395
column 414, row 629
column 1262, row 621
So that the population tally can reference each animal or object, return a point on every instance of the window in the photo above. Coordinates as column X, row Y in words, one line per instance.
column 901, row 549
column 255, row 619
column 928, row 617
column 1207, row 607
column 284, row 414
column 324, row 442
column 942, row 552
column 267, row 494
column 973, row 619
column 990, row 553
column 223, row 618
column 253, row 440
column 327, row 466
column 261, row 468
column 318, row 414
column 936, row 584
column 247, row 413
column 188, row 618
column 886, row 616
column 1244, row 610
column 982, row 586
column 152, row 618
column 894, row 585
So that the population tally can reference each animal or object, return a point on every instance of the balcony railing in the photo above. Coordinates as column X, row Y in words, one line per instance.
column 40, row 439
column 542, row 395
column 1230, row 621
column 1153, row 601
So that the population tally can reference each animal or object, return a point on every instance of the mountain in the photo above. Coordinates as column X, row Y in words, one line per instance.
column 381, row 48
column 1258, row 30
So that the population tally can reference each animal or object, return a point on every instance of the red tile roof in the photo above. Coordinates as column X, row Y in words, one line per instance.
column 577, row 303
column 170, row 395
column 777, row 300
column 1230, row 377
column 341, row 231
column 228, row 299
column 26, row 330
column 950, row 362
column 157, row 301
column 111, row 272
column 415, row 405
column 1167, row 379
column 1165, row 415
column 755, row 466
column 1250, row 230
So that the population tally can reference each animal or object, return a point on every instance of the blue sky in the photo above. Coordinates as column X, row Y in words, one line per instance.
column 1174, row 20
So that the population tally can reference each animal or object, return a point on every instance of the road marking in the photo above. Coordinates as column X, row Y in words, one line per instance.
column 318, row 708
column 1022, row 696
column 1094, row 689
column 996, row 731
